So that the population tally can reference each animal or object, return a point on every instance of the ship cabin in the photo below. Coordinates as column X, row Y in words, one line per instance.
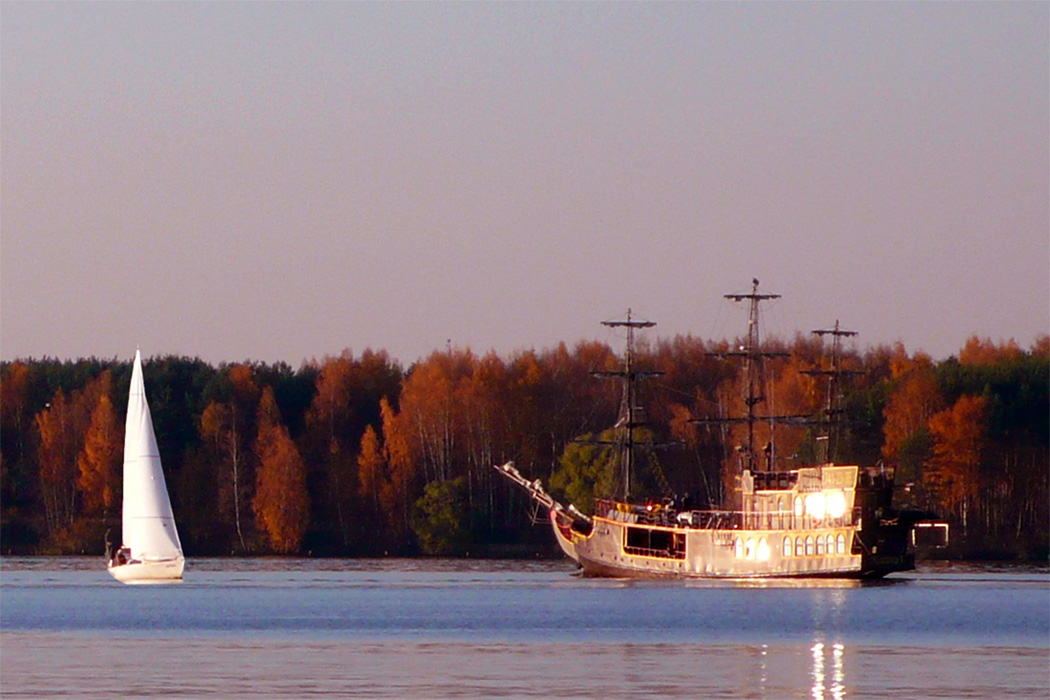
column 800, row 499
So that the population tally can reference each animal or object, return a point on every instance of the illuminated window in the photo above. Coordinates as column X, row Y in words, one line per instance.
column 836, row 505
column 763, row 550
column 831, row 544
column 798, row 506
column 842, row 543
column 738, row 548
column 820, row 546
column 800, row 548
column 809, row 546
column 815, row 506
column 787, row 546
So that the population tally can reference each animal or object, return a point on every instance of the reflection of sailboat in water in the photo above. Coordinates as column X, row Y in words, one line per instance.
column 151, row 552
column 828, row 520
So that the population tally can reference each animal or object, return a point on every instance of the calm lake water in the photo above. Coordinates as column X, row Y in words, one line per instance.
column 296, row 628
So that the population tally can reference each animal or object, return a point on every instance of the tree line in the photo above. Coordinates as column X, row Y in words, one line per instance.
column 356, row 455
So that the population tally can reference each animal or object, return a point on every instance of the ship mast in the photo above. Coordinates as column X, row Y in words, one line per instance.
column 753, row 356
column 753, row 359
column 833, row 400
column 631, row 416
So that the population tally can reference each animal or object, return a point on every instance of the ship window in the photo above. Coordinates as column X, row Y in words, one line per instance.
column 809, row 546
column 799, row 547
column 652, row 542
column 831, row 544
column 815, row 505
column 820, row 546
column 798, row 506
column 841, row 543
column 738, row 548
column 763, row 550
column 787, row 547
column 836, row 505
column 749, row 549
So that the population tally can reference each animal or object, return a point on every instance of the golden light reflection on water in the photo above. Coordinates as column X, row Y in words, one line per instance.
column 825, row 688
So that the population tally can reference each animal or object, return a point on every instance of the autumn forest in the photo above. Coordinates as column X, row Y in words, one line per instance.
column 357, row 456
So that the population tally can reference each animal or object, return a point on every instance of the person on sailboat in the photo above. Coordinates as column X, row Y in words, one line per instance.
column 121, row 557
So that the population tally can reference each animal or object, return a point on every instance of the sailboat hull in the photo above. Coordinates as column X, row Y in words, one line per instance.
column 150, row 551
column 135, row 572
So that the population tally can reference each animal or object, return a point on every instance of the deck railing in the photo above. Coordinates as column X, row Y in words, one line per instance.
column 664, row 516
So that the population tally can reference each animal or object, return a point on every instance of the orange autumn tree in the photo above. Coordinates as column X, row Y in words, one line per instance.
column 281, row 503
column 14, row 423
column 913, row 400
column 100, row 457
column 397, row 492
column 954, row 470
column 330, row 422
column 371, row 465
column 57, row 456
column 225, row 427
column 982, row 351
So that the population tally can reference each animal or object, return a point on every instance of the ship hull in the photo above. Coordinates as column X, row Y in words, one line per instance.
column 565, row 535
column 719, row 553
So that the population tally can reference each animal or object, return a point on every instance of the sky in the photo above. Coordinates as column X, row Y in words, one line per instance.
column 286, row 181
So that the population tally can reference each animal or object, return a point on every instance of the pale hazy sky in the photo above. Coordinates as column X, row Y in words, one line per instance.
column 280, row 181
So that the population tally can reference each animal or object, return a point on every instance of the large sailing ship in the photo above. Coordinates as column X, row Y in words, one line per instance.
column 827, row 520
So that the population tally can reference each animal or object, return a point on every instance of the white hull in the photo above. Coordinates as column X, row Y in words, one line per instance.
column 703, row 553
column 565, row 536
column 150, row 551
column 169, row 571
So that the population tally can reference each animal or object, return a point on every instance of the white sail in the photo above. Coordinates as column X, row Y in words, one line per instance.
column 149, row 533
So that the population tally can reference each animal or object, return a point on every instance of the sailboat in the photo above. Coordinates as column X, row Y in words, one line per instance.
column 828, row 520
column 150, row 552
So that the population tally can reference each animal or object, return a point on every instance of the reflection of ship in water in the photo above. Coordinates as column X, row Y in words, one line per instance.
column 829, row 677
column 827, row 520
